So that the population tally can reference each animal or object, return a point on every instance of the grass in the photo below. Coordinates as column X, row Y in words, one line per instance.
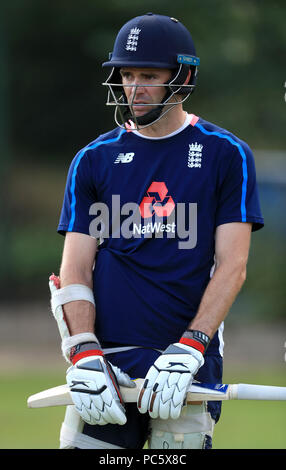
column 253, row 424
column 243, row 424
column 27, row 428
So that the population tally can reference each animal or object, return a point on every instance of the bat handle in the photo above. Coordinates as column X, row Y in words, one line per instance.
column 233, row 392
column 260, row 392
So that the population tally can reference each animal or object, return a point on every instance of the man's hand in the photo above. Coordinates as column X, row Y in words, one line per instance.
column 166, row 384
column 94, row 386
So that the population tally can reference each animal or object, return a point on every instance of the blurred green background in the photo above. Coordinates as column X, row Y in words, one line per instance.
column 52, row 104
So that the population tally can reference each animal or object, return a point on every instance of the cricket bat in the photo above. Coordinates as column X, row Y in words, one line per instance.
column 60, row 395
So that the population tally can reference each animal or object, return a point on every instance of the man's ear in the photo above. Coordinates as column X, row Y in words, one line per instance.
column 188, row 77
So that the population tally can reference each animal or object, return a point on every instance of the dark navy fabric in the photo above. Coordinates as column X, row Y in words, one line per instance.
column 147, row 289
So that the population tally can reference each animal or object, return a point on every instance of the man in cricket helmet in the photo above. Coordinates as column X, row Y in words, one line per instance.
column 152, row 41
column 147, row 305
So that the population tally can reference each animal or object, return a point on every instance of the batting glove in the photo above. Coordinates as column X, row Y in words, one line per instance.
column 94, row 385
column 166, row 384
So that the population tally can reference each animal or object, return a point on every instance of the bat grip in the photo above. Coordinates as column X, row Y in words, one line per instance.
column 260, row 392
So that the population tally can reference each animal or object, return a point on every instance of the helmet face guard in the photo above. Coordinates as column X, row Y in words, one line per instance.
column 174, row 94
column 151, row 41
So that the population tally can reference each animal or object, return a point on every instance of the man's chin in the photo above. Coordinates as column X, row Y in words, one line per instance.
column 139, row 111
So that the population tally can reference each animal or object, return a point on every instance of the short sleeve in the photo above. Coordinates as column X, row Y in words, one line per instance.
column 238, row 198
column 80, row 194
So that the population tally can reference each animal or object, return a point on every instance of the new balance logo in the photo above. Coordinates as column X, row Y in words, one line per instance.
column 124, row 157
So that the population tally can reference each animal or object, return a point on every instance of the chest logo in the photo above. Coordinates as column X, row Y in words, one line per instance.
column 195, row 155
column 157, row 201
column 124, row 157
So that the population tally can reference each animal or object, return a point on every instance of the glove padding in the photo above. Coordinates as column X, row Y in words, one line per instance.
column 167, row 382
column 94, row 386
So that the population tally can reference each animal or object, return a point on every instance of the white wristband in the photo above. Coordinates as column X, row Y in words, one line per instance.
column 71, row 341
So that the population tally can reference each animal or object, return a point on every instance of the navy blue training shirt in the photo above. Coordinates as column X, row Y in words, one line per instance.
column 157, row 203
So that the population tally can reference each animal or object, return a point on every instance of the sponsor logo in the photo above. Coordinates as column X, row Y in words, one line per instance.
column 157, row 216
column 156, row 227
column 124, row 157
column 157, row 201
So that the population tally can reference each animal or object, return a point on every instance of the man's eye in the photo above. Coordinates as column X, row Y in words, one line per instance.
column 126, row 75
column 150, row 77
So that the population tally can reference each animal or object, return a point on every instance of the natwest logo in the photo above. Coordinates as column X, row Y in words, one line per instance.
column 157, row 201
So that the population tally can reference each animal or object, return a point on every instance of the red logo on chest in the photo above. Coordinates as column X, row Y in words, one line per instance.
column 157, row 201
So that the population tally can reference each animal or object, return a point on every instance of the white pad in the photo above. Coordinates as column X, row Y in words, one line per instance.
column 71, row 435
column 72, row 423
column 187, row 432
column 71, row 293
column 60, row 297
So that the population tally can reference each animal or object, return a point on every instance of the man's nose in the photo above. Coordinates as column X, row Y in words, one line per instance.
column 137, row 87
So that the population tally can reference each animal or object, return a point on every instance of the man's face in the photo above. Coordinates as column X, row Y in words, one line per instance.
column 136, row 95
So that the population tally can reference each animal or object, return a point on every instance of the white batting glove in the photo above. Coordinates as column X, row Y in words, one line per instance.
column 167, row 382
column 94, row 385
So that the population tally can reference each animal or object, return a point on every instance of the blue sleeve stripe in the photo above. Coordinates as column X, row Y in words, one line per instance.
column 244, row 166
column 73, row 179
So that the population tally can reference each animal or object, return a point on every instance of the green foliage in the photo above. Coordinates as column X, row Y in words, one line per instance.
column 56, row 50
column 29, row 428
column 54, row 104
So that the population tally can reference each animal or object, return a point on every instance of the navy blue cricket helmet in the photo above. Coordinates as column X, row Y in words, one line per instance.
column 152, row 41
